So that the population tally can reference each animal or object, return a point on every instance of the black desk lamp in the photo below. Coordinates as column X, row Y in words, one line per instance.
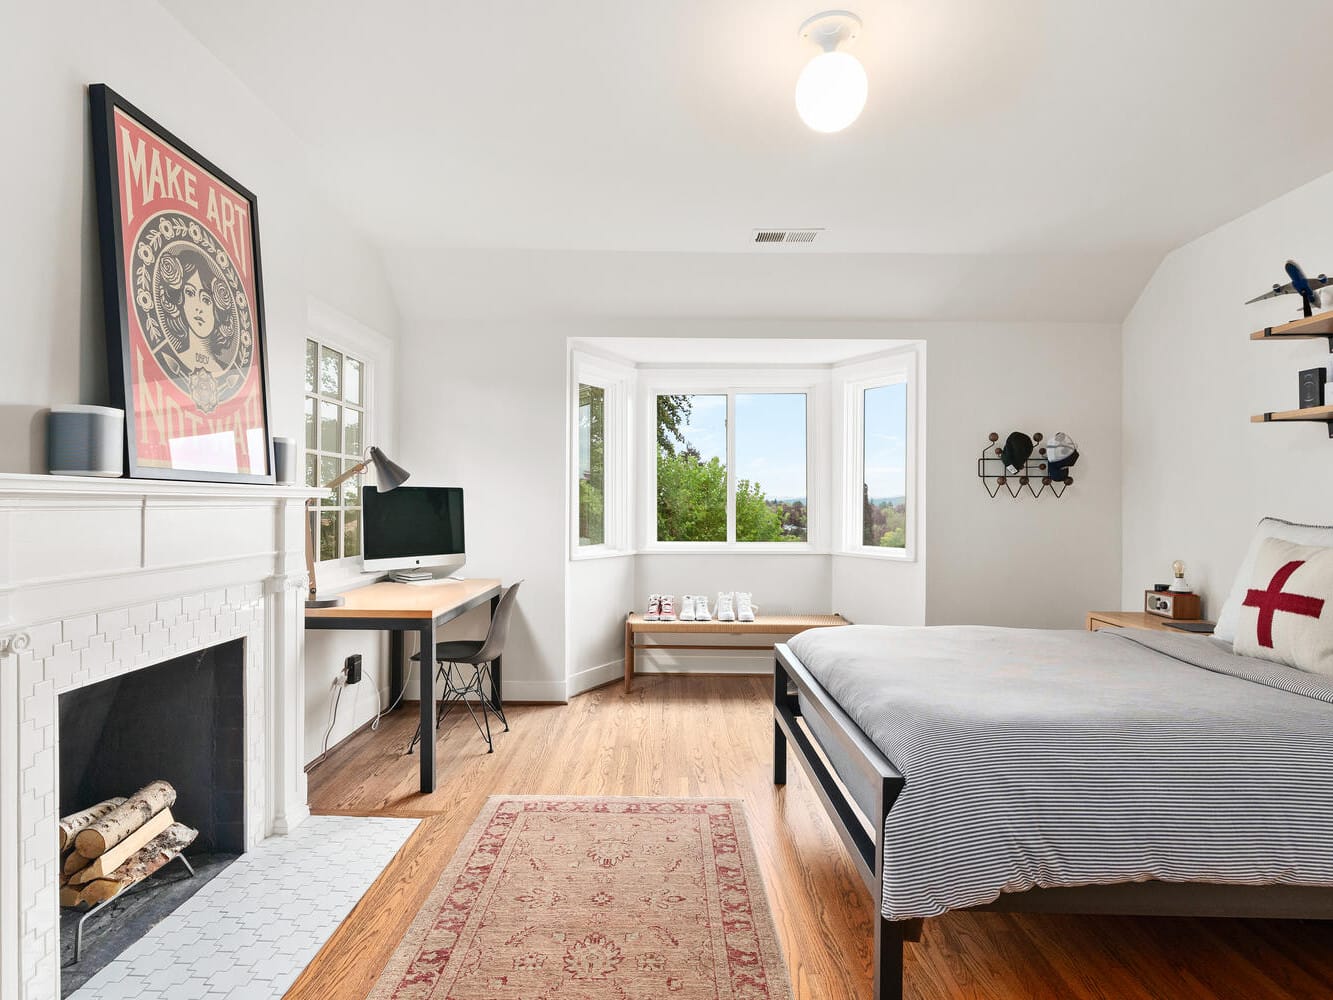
column 388, row 476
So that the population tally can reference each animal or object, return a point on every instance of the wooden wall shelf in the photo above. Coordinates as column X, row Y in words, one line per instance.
column 1319, row 325
column 1313, row 414
column 1308, row 413
column 1306, row 328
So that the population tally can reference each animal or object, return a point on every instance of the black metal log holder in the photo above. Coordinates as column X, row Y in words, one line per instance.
column 1034, row 477
column 135, row 889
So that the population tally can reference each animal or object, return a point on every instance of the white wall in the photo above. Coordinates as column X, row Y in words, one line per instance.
column 1198, row 474
column 1038, row 563
column 53, row 338
column 596, row 589
column 484, row 409
column 498, row 429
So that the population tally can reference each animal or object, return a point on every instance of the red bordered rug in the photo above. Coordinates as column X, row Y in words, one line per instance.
column 588, row 898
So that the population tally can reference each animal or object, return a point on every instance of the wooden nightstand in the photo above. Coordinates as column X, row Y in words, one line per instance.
column 1132, row 619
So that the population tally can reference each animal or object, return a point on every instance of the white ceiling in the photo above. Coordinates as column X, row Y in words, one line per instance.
column 1081, row 129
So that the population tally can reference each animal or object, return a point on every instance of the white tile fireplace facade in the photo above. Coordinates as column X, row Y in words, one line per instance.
column 103, row 577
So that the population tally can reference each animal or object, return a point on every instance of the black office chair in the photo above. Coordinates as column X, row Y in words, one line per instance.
column 452, row 657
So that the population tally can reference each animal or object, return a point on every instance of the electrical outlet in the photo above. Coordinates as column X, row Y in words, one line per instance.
column 352, row 669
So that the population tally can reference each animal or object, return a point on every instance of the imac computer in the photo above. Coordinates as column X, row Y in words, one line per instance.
column 413, row 532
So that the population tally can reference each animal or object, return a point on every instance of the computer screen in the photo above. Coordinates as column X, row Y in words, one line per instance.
column 411, row 526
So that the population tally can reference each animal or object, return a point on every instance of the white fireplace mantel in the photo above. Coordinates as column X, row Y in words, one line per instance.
column 100, row 577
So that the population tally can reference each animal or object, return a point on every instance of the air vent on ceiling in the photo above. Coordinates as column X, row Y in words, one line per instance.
column 786, row 235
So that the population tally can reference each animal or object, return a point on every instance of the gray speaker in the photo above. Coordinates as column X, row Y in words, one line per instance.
column 85, row 441
column 284, row 460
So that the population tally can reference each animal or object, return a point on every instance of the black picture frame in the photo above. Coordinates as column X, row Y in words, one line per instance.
column 122, row 326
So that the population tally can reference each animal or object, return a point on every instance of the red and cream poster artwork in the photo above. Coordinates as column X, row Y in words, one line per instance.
column 195, row 375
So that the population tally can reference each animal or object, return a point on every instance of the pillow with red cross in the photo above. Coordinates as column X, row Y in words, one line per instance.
column 1287, row 612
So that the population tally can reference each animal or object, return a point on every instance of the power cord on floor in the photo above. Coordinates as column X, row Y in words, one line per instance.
column 339, row 683
column 378, row 714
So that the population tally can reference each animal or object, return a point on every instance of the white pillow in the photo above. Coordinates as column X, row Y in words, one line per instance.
column 1287, row 613
column 1269, row 527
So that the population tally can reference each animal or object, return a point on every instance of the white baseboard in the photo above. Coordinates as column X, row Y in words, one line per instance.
column 547, row 692
column 551, row 692
column 586, row 680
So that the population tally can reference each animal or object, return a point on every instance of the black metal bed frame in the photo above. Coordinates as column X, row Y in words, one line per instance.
column 792, row 681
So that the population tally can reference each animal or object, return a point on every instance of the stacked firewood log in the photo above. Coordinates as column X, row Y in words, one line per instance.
column 115, row 844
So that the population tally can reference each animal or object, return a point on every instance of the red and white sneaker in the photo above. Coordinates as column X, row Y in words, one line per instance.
column 654, row 612
column 668, row 610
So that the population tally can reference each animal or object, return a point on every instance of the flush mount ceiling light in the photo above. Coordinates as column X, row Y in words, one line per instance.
column 832, row 88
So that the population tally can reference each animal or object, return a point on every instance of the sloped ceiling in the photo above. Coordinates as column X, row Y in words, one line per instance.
column 1034, row 156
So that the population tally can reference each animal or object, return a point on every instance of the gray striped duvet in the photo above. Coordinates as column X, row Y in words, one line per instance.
column 1048, row 758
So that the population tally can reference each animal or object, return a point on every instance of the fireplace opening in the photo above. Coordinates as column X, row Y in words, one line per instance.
column 182, row 722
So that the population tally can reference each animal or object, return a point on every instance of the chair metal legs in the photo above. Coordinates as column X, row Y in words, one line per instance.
column 457, row 690
column 487, row 703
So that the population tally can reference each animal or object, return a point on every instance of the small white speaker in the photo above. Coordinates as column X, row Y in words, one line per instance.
column 85, row 441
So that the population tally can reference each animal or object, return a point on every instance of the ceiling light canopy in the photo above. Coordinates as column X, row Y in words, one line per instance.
column 832, row 88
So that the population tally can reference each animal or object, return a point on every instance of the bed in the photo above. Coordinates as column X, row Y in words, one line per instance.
column 1069, row 772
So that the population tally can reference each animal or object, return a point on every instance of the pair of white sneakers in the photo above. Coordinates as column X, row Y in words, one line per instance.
column 731, row 607
column 736, row 607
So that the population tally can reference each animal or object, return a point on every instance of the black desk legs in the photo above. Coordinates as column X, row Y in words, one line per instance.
column 397, row 666
column 427, row 672
column 497, row 673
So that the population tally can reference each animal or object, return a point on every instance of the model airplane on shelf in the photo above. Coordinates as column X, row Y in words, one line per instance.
column 1306, row 288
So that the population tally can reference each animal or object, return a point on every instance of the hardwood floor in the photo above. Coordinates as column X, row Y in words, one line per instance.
column 713, row 736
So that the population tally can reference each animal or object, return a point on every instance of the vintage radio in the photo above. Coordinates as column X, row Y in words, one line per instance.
column 1172, row 604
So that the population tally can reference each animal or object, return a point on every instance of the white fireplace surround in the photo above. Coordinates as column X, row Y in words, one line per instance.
column 103, row 577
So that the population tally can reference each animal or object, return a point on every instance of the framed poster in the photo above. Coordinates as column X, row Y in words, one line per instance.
column 184, row 302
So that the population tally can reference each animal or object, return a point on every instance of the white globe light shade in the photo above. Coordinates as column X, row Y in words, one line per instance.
column 831, row 91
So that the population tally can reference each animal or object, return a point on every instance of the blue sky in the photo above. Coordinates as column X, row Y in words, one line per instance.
column 707, row 426
column 770, row 442
column 886, row 440
column 770, row 438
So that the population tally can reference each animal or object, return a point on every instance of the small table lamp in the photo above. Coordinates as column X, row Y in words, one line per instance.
column 388, row 476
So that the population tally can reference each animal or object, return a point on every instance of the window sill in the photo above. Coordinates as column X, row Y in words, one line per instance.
column 891, row 555
column 732, row 549
column 336, row 575
column 599, row 552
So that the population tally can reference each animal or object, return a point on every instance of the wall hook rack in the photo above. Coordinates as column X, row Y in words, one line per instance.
column 1033, row 478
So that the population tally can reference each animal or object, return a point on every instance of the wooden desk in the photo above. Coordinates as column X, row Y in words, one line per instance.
column 399, row 608
column 635, row 623
column 1132, row 619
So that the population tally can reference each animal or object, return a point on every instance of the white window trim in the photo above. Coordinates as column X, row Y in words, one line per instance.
column 813, row 383
column 850, row 381
column 331, row 328
column 617, row 382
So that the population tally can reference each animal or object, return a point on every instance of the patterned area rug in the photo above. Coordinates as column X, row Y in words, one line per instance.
column 590, row 898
